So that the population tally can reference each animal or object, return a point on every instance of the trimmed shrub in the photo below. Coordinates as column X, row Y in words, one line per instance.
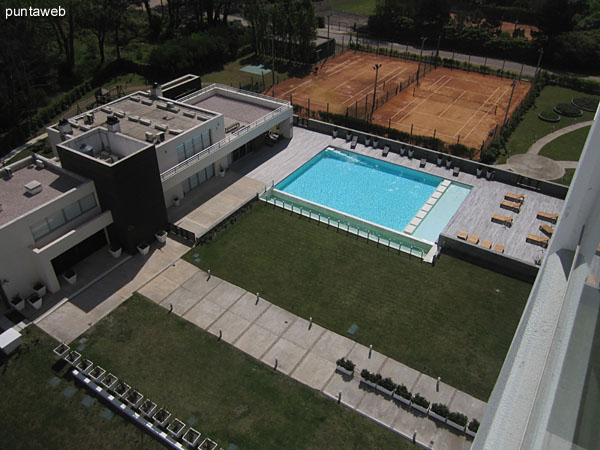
column 346, row 364
column 402, row 391
column 440, row 409
column 549, row 116
column 585, row 103
column 458, row 418
column 418, row 399
column 387, row 383
column 567, row 109
column 474, row 425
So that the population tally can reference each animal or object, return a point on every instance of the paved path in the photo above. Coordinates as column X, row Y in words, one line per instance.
column 308, row 353
column 537, row 146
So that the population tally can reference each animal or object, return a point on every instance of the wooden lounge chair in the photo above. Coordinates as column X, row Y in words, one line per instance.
column 423, row 162
column 463, row 235
column 473, row 239
column 502, row 220
column 512, row 206
column 354, row 141
column 499, row 248
column 386, row 150
column 534, row 239
column 486, row 244
column 548, row 217
column 547, row 229
column 514, row 197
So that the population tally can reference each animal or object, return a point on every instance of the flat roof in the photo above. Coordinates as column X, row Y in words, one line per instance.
column 15, row 199
column 236, row 110
column 138, row 113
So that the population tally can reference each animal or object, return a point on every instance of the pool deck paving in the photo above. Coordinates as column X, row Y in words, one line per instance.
column 308, row 353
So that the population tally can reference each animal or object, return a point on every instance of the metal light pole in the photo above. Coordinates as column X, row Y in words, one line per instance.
column 537, row 68
column 514, row 84
column 376, row 67
column 423, row 39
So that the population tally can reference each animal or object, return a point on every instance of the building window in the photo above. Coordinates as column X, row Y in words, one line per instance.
column 72, row 211
column 56, row 220
column 40, row 229
column 88, row 202
column 63, row 216
column 198, row 178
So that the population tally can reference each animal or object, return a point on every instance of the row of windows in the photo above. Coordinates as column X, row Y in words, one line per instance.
column 63, row 216
column 198, row 178
column 193, row 146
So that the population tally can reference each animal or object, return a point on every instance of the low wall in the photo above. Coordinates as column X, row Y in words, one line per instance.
column 466, row 165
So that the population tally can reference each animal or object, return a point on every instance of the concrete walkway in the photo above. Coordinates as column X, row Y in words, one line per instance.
column 537, row 146
column 307, row 353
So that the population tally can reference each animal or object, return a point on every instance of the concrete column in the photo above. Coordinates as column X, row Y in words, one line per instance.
column 46, row 273
column 286, row 128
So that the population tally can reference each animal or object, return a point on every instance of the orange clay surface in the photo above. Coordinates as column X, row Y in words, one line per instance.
column 456, row 105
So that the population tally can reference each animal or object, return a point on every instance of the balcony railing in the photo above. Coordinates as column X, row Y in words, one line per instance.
column 231, row 89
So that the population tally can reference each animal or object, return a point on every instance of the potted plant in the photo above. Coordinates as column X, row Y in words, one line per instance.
column 148, row 407
column 420, row 403
column 335, row 132
column 73, row 357
column 18, row 303
column 115, row 250
column 191, row 437
column 121, row 389
column 472, row 428
column 207, row 444
column 109, row 381
column 221, row 171
column 375, row 142
column 457, row 420
column 70, row 276
column 161, row 236
column 143, row 248
column 97, row 373
column 411, row 152
column 35, row 300
column 401, row 393
column 386, row 386
column 402, row 150
column 161, row 417
column 177, row 201
column 39, row 288
column 439, row 160
column 367, row 141
column 479, row 171
column 439, row 411
column 61, row 350
column 134, row 398
column 370, row 379
column 85, row 366
column 176, row 428
column 345, row 366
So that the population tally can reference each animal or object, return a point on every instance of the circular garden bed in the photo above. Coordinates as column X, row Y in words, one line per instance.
column 586, row 103
column 567, row 109
column 549, row 116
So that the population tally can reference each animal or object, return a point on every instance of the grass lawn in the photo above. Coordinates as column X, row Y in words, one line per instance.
column 454, row 320
column 567, row 147
column 363, row 7
column 39, row 416
column 567, row 178
column 532, row 128
column 233, row 397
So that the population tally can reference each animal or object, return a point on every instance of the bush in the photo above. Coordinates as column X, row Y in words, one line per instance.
column 418, row 399
column 244, row 50
column 402, row 391
column 458, row 418
column 346, row 364
column 372, row 377
column 387, row 383
column 549, row 116
column 567, row 109
column 474, row 425
column 586, row 103
column 440, row 409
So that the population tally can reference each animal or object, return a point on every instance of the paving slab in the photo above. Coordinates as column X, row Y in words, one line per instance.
column 352, row 393
column 200, row 284
column 180, row 271
column 233, row 325
column 379, row 407
column 408, row 420
column 360, row 357
column 468, row 405
column 225, row 294
column 400, row 373
column 314, row 371
column 287, row 353
column 256, row 340
column 158, row 289
column 426, row 386
column 247, row 308
column 300, row 335
column 182, row 300
column 276, row 320
column 331, row 346
column 204, row 313
column 66, row 323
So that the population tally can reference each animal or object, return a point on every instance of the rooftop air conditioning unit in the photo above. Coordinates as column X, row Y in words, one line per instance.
column 39, row 163
column 113, row 124
column 149, row 137
column 33, row 187
column 9, row 172
column 88, row 119
column 161, row 136
column 156, row 90
column 86, row 149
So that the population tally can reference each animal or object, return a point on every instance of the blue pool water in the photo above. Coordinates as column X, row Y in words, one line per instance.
column 373, row 190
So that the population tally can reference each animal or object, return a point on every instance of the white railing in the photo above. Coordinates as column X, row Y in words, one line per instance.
column 231, row 89
column 219, row 145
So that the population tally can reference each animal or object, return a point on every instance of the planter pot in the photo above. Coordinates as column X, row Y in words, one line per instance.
column 437, row 416
column 116, row 252
column 411, row 152
column 40, row 289
column 479, row 172
column 402, row 150
column 207, row 444
column 161, row 417
column 419, row 408
column 85, row 366
column 121, row 389
column 367, row 141
column 368, row 383
column 177, row 202
column 161, row 237
column 143, row 249
column 191, row 437
column 401, row 399
column 384, row 391
column 439, row 162
column 97, row 373
column 221, row 173
column 470, row 433
column 35, row 301
column 70, row 276
column 344, row 371
column 148, row 407
column 61, row 351
column 335, row 133
column 375, row 143
column 18, row 303
column 109, row 381
column 455, row 425
column 134, row 398
column 73, row 358
column 176, row 428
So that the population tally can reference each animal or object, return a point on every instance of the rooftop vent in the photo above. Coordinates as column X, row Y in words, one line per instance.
column 189, row 114
column 156, row 90
column 88, row 119
column 149, row 137
column 64, row 126
column 134, row 118
column 8, row 171
column 134, row 98
column 145, row 121
column 39, row 163
column 33, row 187
column 113, row 124
column 119, row 113
column 161, row 136
column 106, row 109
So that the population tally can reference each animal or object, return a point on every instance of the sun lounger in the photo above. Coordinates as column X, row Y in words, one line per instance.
column 462, row 235
column 502, row 220
column 547, row 229
column 354, row 141
column 512, row 206
column 486, row 244
column 499, row 248
column 548, row 217
column 473, row 239
column 456, row 171
column 386, row 150
column 423, row 162
column 514, row 197
column 534, row 239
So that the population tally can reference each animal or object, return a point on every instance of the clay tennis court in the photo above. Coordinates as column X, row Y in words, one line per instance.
column 346, row 80
column 455, row 105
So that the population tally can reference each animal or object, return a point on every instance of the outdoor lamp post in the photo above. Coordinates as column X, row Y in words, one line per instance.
column 376, row 67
